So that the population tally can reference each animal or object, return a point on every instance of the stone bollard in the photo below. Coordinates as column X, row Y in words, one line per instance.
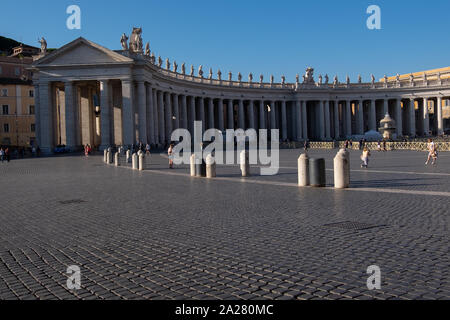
column 141, row 161
column 192, row 158
column 105, row 156
column 303, row 170
column 210, row 166
column 245, row 166
column 200, row 169
column 108, row 157
column 128, row 156
column 116, row 159
column 342, row 169
column 134, row 161
column 317, row 176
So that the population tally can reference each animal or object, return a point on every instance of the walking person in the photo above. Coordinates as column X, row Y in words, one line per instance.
column 384, row 145
column 379, row 146
column 365, row 157
column 7, row 154
column 2, row 154
column 346, row 144
column 147, row 149
column 432, row 152
column 170, row 154
column 306, row 145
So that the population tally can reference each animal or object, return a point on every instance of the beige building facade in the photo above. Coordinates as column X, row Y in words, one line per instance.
column 89, row 94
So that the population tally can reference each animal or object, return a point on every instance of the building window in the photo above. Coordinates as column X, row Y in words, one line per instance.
column 4, row 92
column 5, row 109
column 33, row 127
column 31, row 93
column 17, row 71
column 31, row 109
column 6, row 128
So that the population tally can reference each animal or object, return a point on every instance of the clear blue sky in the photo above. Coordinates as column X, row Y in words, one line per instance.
column 258, row 36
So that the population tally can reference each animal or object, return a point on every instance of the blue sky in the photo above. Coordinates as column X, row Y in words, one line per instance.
column 258, row 36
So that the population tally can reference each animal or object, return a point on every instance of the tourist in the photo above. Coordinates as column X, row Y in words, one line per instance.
column 306, row 145
column 346, row 144
column 86, row 150
column 351, row 143
column 365, row 157
column 379, row 146
column 7, row 154
column 170, row 154
column 2, row 154
column 147, row 149
column 432, row 152
column 361, row 144
column 384, row 145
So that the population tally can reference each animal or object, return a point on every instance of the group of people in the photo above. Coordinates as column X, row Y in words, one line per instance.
column 5, row 154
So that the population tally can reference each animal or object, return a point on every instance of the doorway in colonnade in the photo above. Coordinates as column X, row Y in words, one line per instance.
column 312, row 116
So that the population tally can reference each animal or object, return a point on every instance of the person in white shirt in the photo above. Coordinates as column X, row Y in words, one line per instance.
column 432, row 152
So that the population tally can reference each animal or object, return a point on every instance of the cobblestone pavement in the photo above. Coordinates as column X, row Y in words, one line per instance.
column 159, row 234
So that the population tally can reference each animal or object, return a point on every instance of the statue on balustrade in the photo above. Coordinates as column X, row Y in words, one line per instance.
column 297, row 78
column 183, row 68
column 309, row 76
column 283, row 80
column 230, row 76
column 124, row 42
column 136, row 44
column 411, row 79
column 210, row 76
column 372, row 79
column 335, row 81
column 397, row 78
column 271, row 79
column 159, row 61
column 167, row 64
column 320, row 79
column 219, row 75
column 175, row 66
column 43, row 43
column 359, row 79
column 261, row 79
column 200, row 71
column 250, row 77
column 192, row 71
column 326, row 79
column 348, row 80
column 239, row 77
column 147, row 49
column 153, row 58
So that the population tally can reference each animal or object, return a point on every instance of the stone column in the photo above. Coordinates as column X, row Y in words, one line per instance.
column 241, row 115
column 251, row 114
column 70, row 115
column 46, row 116
column 183, row 113
column 150, row 114
column 273, row 119
column 298, row 119
column 161, row 123
column 220, row 126
column 385, row 106
column 412, row 118
column 191, row 115
column 155, row 116
column 373, row 116
column 201, row 103
column 440, row 120
column 336, row 120
column 142, row 111
column 361, row 117
column 37, row 114
column 230, row 114
column 398, row 117
column 426, row 118
column 210, row 113
column 262, row 115
column 176, row 112
column 283, row 121
column 348, row 118
column 327, row 120
column 304, row 120
column 168, row 115
column 128, row 112
column 321, row 120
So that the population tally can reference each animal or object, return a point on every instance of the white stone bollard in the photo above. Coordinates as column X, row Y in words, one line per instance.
column 134, row 161
column 141, row 161
column 210, row 166
column 105, row 154
column 342, row 170
column 192, row 160
column 116, row 159
column 303, row 170
column 128, row 156
column 245, row 166
column 108, row 157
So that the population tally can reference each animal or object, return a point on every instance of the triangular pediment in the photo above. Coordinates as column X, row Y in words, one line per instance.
column 81, row 52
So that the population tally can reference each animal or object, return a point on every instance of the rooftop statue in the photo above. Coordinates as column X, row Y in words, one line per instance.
column 200, row 71
column 147, row 49
column 43, row 43
column 348, row 80
column 230, row 76
column 239, row 77
column 175, row 66
column 183, row 68
column 320, row 79
column 159, row 61
column 397, row 78
column 297, row 78
column 261, row 79
column 359, row 79
column 136, row 44
column 250, row 77
column 219, row 74
column 309, row 76
column 192, row 71
column 167, row 64
column 372, row 79
column 153, row 58
column 335, row 81
column 124, row 42
column 283, row 80
column 271, row 79
column 327, row 79
column 210, row 73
